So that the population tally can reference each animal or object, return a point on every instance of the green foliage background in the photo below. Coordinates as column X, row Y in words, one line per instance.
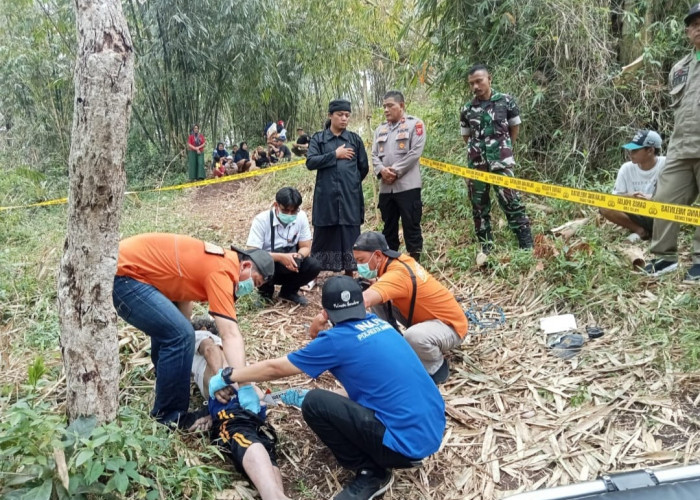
column 234, row 66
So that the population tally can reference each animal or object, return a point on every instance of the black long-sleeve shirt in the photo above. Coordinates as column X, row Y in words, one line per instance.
column 338, row 198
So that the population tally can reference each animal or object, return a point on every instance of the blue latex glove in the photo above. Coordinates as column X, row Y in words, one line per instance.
column 294, row 397
column 216, row 383
column 248, row 399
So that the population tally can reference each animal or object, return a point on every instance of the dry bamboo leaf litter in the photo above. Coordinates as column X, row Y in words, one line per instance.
column 518, row 418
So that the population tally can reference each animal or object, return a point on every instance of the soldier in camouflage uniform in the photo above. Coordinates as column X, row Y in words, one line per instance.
column 489, row 125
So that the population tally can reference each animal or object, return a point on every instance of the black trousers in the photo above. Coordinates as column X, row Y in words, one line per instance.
column 351, row 431
column 407, row 206
column 291, row 281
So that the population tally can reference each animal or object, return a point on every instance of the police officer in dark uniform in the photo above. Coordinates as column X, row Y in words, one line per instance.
column 396, row 150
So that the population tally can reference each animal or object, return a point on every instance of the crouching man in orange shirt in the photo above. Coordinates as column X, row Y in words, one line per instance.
column 406, row 293
column 158, row 276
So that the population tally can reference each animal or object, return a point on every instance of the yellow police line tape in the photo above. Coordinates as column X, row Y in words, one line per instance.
column 206, row 182
column 676, row 213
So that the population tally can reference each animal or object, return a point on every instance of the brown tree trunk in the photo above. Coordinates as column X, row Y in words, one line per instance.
column 104, row 82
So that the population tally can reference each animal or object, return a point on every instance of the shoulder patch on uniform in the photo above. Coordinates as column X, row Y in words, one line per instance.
column 210, row 248
column 419, row 128
column 680, row 76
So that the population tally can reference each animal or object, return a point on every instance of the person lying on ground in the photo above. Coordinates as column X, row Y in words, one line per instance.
column 157, row 278
column 637, row 179
column 403, row 292
column 284, row 231
column 242, row 158
column 244, row 437
column 394, row 415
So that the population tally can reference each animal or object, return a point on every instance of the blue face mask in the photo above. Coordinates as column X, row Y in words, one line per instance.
column 364, row 271
column 245, row 287
column 286, row 218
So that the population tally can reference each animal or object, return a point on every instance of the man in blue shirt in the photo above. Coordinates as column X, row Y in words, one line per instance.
column 394, row 415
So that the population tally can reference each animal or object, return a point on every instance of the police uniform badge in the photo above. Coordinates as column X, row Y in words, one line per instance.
column 419, row 128
column 402, row 145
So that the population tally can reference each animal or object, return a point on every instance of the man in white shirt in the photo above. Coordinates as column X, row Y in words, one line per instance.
column 637, row 179
column 284, row 231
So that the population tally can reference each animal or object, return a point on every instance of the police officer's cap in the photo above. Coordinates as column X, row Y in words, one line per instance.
column 371, row 241
column 694, row 11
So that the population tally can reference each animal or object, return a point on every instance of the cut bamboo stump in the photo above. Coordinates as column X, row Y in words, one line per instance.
column 635, row 256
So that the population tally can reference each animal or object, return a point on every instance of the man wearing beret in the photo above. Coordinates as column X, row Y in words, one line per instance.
column 158, row 276
column 341, row 163
column 679, row 181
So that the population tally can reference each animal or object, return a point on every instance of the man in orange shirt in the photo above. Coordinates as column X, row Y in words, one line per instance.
column 158, row 277
column 407, row 293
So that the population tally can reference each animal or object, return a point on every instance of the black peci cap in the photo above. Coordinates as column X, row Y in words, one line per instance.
column 339, row 105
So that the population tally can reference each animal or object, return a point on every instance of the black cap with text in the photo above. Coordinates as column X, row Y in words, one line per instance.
column 342, row 299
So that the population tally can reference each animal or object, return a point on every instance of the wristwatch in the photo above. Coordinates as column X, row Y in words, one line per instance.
column 226, row 374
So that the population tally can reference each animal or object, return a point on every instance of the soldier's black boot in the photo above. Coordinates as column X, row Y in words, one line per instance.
column 486, row 240
column 524, row 237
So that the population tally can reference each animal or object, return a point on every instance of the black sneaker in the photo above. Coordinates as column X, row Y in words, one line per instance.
column 442, row 373
column 368, row 484
column 659, row 267
column 295, row 298
column 693, row 274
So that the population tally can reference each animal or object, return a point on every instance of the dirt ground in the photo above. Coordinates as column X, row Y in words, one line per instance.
column 519, row 418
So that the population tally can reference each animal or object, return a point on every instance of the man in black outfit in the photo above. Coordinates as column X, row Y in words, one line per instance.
column 339, row 158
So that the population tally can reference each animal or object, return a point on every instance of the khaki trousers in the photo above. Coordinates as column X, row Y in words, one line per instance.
column 429, row 339
column 679, row 183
